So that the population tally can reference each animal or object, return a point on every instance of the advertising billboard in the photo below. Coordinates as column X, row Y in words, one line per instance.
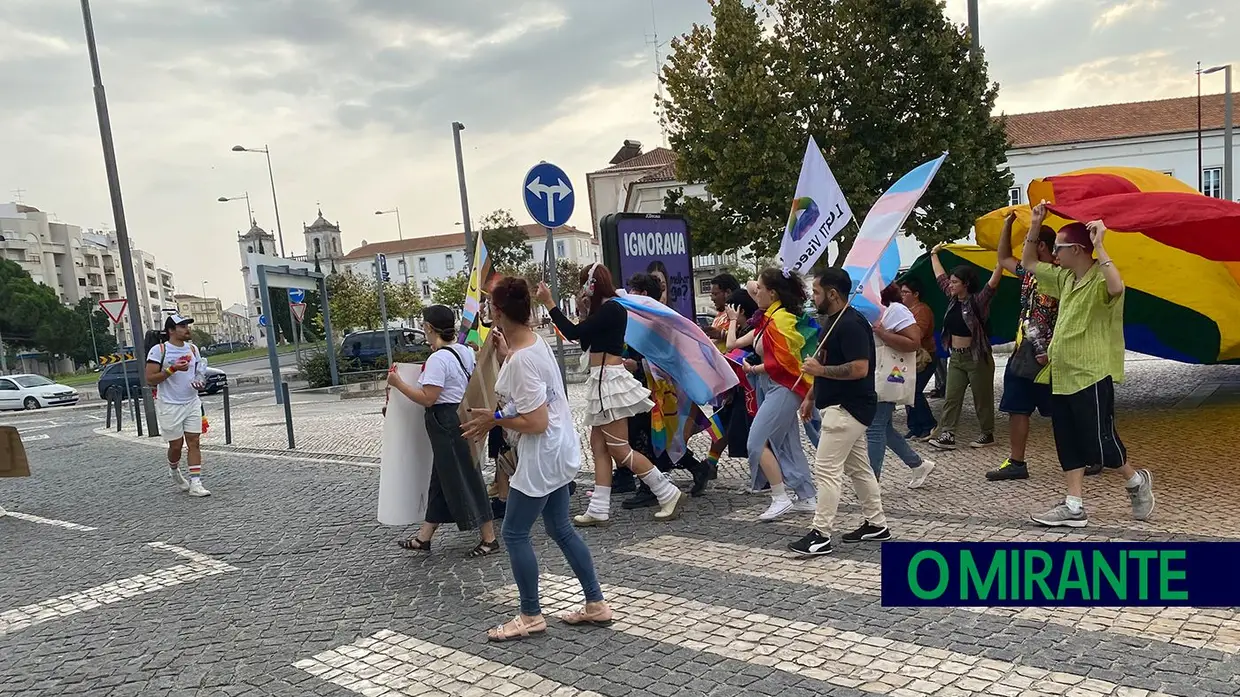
column 651, row 243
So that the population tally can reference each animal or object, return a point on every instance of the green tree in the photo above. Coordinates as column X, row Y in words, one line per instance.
column 881, row 85
column 93, row 320
column 403, row 301
column 348, row 297
column 506, row 242
column 31, row 316
column 450, row 291
column 201, row 338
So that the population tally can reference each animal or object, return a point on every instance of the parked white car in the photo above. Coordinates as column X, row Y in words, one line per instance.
column 34, row 392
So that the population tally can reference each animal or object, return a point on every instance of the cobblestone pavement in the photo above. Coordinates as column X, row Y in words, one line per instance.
column 282, row 583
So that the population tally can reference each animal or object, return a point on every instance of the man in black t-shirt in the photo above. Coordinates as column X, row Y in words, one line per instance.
column 844, row 393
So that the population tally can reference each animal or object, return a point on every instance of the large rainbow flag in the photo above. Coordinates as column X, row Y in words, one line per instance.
column 788, row 338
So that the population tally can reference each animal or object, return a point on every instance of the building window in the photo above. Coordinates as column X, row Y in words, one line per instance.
column 559, row 249
column 422, row 264
column 704, row 286
column 250, row 249
column 317, row 248
column 1014, row 196
column 426, row 289
column 1212, row 182
column 449, row 262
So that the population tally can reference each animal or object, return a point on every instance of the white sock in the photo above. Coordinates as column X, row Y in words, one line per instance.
column 1137, row 480
column 600, row 502
column 174, row 465
column 1075, row 504
column 779, row 492
column 660, row 485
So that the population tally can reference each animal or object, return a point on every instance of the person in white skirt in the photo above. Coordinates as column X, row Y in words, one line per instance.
column 613, row 395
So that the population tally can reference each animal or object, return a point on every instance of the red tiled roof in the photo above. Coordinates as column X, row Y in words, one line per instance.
column 454, row 240
column 1114, row 121
column 666, row 173
column 658, row 157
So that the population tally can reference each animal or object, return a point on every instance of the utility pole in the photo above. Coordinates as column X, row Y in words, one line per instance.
column 457, row 127
column 973, row 25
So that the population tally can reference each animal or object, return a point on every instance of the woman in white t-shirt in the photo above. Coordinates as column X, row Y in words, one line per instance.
column 457, row 493
column 896, row 330
column 533, row 410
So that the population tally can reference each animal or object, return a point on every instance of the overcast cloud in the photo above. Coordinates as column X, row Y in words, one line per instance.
column 356, row 97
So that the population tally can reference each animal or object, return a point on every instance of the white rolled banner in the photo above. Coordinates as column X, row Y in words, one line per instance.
column 406, row 459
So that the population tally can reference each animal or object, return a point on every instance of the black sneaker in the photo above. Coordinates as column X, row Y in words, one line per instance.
column 867, row 533
column 1010, row 469
column 701, row 477
column 983, row 441
column 814, row 544
column 944, row 441
column 623, row 482
column 644, row 498
column 498, row 509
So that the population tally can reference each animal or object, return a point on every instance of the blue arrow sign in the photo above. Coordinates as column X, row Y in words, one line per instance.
column 262, row 320
column 296, row 295
column 548, row 195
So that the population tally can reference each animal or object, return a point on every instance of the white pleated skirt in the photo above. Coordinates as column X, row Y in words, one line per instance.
column 612, row 393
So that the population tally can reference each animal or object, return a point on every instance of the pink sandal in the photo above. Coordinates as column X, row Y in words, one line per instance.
column 599, row 618
column 516, row 630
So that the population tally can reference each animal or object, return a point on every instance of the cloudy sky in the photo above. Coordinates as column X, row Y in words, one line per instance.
column 356, row 98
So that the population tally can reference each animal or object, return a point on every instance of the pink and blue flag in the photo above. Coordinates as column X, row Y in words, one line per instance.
column 678, row 347
column 874, row 260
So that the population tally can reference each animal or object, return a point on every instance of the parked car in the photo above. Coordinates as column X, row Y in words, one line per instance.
column 367, row 351
column 704, row 320
column 116, row 375
column 34, row 392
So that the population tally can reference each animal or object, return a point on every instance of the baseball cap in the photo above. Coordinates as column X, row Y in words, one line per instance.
column 176, row 320
column 440, row 317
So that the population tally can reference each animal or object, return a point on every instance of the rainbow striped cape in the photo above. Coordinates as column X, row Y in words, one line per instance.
column 787, row 340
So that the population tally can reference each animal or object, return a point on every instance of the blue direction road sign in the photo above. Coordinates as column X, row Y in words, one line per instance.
column 548, row 195
column 296, row 295
column 262, row 320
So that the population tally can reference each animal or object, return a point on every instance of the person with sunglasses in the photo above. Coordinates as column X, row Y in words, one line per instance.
column 1086, row 360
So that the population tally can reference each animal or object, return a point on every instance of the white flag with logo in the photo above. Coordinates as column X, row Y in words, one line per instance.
column 819, row 212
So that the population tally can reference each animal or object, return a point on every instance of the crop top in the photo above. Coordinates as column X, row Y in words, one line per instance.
column 601, row 332
column 953, row 322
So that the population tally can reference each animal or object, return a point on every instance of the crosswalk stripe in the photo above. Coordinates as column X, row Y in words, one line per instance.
column 391, row 663
column 48, row 521
column 1194, row 627
column 199, row 566
column 820, row 652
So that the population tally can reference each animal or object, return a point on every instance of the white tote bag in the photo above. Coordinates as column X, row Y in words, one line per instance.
column 895, row 374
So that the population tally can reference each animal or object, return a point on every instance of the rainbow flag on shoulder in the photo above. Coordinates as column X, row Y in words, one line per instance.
column 787, row 340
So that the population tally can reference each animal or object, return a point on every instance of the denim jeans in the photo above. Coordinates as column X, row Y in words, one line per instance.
column 522, row 512
column 882, row 434
column 813, row 428
column 921, row 420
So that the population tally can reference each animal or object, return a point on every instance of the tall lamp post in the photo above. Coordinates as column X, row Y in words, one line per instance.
column 275, row 202
column 1227, row 147
column 400, row 234
column 248, row 208
column 118, row 211
column 973, row 25
column 457, row 127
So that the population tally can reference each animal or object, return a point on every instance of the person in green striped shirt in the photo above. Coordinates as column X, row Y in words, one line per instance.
column 1086, row 359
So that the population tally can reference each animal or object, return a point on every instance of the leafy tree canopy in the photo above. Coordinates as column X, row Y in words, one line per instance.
column 506, row 242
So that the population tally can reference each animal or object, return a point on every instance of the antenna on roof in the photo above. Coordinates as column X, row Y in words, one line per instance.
column 652, row 40
column 17, row 195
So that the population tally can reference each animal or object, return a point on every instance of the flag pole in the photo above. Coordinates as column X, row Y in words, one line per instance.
column 847, row 303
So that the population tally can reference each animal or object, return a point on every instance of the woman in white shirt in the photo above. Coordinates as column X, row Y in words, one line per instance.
column 457, row 493
column 533, row 409
column 896, row 330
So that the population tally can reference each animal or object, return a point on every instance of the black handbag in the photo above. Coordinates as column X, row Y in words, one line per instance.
column 1024, row 361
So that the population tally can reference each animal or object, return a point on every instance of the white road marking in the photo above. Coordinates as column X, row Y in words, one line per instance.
column 50, row 521
column 41, row 436
column 390, row 663
column 199, row 566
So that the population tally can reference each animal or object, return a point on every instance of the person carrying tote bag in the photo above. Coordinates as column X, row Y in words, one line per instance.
column 897, row 337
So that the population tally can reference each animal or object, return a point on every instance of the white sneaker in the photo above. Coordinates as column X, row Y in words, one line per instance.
column 918, row 480
column 196, row 489
column 591, row 520
column 179, row 479
column 778, row 508
column 809, row 505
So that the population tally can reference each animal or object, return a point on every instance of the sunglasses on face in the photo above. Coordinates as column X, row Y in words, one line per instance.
column 1060, row 247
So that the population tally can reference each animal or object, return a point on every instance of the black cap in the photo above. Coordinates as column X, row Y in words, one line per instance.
column 440, row 317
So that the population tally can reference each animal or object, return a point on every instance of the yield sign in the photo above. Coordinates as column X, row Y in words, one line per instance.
column 114, row 308
column 298, row 310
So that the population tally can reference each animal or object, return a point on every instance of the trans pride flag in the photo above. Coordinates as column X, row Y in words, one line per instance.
column 874, row 259
column 678, row 347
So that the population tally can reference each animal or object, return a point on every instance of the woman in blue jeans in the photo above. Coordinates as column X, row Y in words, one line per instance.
column 896, row 330
column 533, row 411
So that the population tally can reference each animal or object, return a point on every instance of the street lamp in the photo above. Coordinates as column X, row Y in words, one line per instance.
column 274, row 201
column 248, row 208
column 400, row 234
column 457, row 127
column 1227, row 152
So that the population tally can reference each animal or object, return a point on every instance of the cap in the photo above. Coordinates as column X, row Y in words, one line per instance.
column 440, row 317
column 176, row 320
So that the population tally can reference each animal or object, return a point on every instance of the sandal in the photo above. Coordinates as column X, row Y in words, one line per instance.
column 515, row 630
column 599, row 618
column 483, row 549
column 415, row 544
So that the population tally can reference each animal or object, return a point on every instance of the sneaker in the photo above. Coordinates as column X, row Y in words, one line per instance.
column 814, row 544
column 765, row 488
column 197, row 489
column 983, row 441
column 498, row 509
column 671, row 510
column 623, row 483
column 1062, row 517
column 591, row 520
column 918, row 480
column 644, row 498
column 701, row 477
column 944, row 441
column 867, row 533
column 809, row 505
column 179, row 479
column 1010, row 469
column 777, row 508
column 1142, row 496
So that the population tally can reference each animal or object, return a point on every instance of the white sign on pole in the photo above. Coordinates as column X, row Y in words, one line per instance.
column 298, row 310
column 114, row 308
column 819, row 212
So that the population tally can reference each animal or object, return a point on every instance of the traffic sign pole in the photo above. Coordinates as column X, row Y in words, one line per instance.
column 555, row 293
column 549, row 200
column 381, row 276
